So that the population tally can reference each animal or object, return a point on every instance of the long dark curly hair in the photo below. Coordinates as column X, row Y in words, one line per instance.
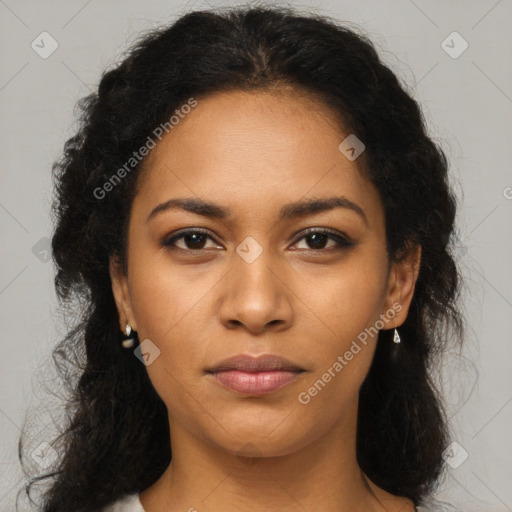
column 116, row 439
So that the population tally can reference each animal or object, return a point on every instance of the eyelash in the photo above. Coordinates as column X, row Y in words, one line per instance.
column 341, row 241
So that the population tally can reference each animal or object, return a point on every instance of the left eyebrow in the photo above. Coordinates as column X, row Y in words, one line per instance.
column 312, row 206
column 293, row 210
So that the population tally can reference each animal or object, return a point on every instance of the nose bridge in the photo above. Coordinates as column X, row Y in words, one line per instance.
column 254, row 294
column 252, row 272
column 252, row 267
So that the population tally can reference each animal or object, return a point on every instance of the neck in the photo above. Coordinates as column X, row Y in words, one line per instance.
column 322, row 475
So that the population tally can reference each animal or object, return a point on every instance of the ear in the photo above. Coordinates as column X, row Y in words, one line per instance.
column 403, row 275
column 122, row 295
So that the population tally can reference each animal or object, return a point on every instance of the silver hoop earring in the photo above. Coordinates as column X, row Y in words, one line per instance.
column 128, row 342
column 396, row 337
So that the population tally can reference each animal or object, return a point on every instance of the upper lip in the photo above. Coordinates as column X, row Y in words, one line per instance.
column 248, row 363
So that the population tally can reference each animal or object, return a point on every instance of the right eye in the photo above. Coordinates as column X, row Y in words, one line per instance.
column 194, row 240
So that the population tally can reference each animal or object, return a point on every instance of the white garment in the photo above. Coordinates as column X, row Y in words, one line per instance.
column 131, row 503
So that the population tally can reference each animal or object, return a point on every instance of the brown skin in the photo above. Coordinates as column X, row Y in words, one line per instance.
column 254, row 153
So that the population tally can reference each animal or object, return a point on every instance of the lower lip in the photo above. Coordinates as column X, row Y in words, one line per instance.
column 255, row 382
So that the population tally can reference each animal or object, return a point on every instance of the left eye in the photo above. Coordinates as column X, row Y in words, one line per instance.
column 195, row 240
column 318, row 239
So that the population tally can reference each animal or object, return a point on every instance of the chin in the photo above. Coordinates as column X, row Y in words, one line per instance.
column 248, row 441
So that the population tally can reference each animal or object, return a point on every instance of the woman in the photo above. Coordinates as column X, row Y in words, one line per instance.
column 260, row 227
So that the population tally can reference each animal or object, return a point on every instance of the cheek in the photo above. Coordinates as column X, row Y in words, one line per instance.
column 167, row 314
column 344, row 351
column 172, row 320
column 165, row 297
column 360, row 297
column 173, row 309
column 347, row 302
column 346, row 298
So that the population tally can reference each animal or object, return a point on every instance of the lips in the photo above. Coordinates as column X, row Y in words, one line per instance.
column 255, row 375
column 247, row 363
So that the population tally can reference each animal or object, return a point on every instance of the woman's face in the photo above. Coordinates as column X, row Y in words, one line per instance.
column 253, row 282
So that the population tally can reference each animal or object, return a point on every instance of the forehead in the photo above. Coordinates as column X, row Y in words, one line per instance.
column 254, row 151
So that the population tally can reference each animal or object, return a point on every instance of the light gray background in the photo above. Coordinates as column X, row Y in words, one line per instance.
column 467, row 102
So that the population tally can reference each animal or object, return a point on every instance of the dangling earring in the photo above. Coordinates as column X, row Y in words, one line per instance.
column 128, row 342
column 396, row 337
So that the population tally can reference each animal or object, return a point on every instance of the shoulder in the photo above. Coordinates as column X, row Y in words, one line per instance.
column 129, row 503
column 430, row 504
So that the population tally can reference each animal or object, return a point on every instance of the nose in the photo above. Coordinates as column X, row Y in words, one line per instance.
column 255, row 297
